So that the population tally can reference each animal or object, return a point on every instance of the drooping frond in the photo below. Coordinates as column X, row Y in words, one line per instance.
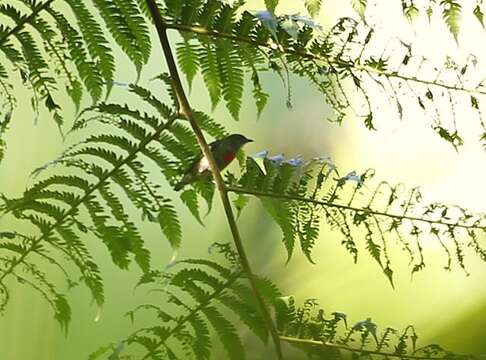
column 203, row 293
column 208, row 298
column 313, row 7
column 330, row 336
column 298, row 195
column 103, row 176
column 44, row 49
column 231, row 43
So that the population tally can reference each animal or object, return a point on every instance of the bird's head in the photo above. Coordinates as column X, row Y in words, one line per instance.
column 236, row 141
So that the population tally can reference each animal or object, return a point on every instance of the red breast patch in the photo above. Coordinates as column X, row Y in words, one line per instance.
column 229, row 157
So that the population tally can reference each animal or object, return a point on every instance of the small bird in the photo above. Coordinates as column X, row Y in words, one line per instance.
column 224, row 151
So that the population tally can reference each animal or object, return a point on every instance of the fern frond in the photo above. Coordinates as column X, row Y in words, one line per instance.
column 170, row 225
column 313, row 7
column 213, row 289
column 451, row 12
column 54, row 204
column 297, row 195
column 308, row 328
column 187, row 55
column 127, row 26
column 87, row 70
column 359, row 6
column 58, row 53
column 210, row 72
column 333, row 61
column 108, row 168
column 96, row 43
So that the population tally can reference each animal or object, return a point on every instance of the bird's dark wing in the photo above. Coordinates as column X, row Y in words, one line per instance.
column 214, row 145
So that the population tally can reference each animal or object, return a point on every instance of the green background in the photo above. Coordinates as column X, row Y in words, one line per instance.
column 446, row 307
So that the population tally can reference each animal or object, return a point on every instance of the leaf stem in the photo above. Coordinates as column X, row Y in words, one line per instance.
column 316, row 343
column 328, row 59
column 290, row 197
column 186, row 110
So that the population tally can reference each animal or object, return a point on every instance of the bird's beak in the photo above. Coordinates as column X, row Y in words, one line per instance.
column 249, row 140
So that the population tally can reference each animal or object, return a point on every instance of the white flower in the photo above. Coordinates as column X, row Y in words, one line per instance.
column 267, row 19
column 277, row 158
column 296, row 161
column 260, row 155
column 352, row 176
column 306, row 21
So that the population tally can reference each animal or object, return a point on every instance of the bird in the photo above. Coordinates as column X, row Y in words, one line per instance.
column 224, row 152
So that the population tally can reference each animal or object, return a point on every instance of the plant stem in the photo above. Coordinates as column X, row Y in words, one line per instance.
column 199, row 30
column 351, row 208
column 186, row 110
column 308, row 342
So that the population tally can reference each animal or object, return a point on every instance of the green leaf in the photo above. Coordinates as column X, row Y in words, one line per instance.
column 202, row 341
column 359, row 6
column 101, row 351
column 479, row 15
column 97, row 45
column 260, row 96
column 281, row 212
column 389, row 274
column 63, row 311
column 210, row 72
column 231, row 75
column 189, row 198
column 226, row 332
column 452, row 137
column 271, row 5
column 169, row 223
column 411, row 12
column 249, row 315
column 313, row 7
column 369, row 122
column 88, row 71
column 127, row 26
column 188, row 58
column 451, row 12
column 206, row 190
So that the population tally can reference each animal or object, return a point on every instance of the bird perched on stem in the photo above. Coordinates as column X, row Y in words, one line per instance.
column 224, row 151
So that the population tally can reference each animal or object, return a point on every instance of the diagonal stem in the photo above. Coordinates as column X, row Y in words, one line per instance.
column 186, row 110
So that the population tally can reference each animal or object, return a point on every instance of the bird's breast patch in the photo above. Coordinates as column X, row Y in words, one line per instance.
column 229, row 157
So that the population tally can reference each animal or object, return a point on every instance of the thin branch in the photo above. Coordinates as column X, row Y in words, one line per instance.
column 328, row 59
column 352, row 208
column 298, row 341
column 186, row 110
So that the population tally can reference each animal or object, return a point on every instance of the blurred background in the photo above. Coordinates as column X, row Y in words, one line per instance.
column 446, row 307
